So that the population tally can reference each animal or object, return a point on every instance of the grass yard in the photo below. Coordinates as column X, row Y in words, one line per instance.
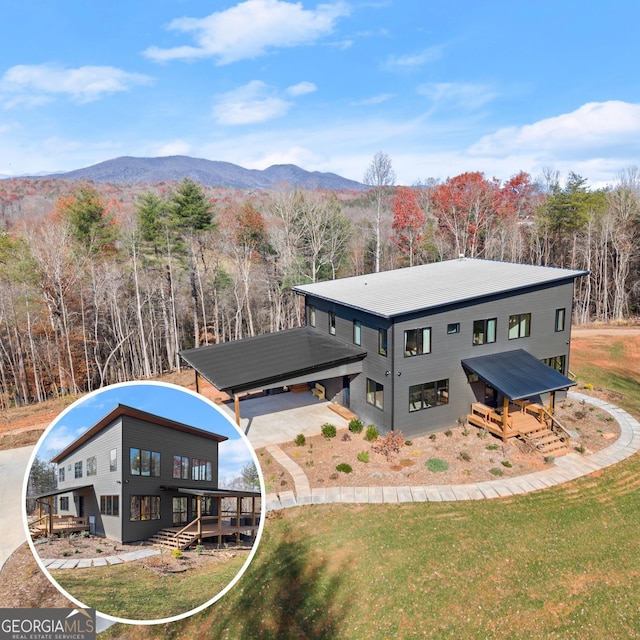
column 135, row 592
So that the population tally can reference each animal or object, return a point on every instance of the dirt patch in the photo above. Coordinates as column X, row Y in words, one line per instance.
column 457, row 456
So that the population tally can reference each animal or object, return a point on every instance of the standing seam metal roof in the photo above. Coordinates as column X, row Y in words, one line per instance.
column 427, row 286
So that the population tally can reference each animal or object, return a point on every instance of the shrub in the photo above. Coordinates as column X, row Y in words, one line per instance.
column 363, row 456
column 465, row 456
column 371, row 434
column 448, row 433
column 177, row 554
column 496, row 472
column 432, row 437
column 355, row 425
column 328, row 431
column 408, row 443
column 309, row 463
column 300, row 440
column 437, row 464
column 581, row 448
column 98, row 550
column 389, row 444
column 588, row 386
column 549, row 459
column 465, row 432
column 483, row 433
column 343, row 467
column 506, row 463
column 346, row 437
column 199, row 549
column 493, row 447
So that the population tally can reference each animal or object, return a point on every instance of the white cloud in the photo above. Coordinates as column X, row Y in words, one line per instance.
column 301, row 89
column 36, row 84
column 412, row 61
column 250, row 29
column 174, row 148
column 373, row 100
column 233, row 455
column 595, row 125
column 252, row 103
column 466, row 95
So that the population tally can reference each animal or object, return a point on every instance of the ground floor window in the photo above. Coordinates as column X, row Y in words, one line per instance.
column 428, row 394
column 144, row 508
column 557, row 363
column 180, row 511
column 110, row 505
column 375, row 393
column 63, row 503
column 207, row 507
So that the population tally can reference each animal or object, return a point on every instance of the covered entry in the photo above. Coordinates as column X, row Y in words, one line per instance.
column 290, row 357
column 521, row 382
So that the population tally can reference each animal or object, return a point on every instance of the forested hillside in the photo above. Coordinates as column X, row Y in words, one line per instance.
column 102, row 283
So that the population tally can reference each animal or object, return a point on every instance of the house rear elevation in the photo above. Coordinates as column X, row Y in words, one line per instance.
column 134, row 473
column 439, row 337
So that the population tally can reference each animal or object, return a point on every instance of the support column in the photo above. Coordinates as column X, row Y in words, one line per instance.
column 505, row 417
column 199, row 503
column 238, row 516
column 236, row 404
column 50, row 527
column 197, row 382
column 219, row 521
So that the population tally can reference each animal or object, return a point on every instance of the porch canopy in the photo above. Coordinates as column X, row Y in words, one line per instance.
column 517, row 374
column 219, row 493
column 272, row 360
column 58, row 492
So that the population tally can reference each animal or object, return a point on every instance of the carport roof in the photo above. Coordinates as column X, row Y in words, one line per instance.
column 517, row 374
column 266, row 360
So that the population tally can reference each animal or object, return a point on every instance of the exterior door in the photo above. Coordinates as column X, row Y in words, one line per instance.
column 346, row 391
column 180, row 511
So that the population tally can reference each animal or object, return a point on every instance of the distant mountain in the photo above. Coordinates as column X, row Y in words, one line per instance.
column 127, row 169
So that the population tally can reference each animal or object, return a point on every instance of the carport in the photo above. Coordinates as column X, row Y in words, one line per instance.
column 272, row 360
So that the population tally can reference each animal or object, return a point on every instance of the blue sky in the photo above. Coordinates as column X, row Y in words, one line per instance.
column 442, row 88
column 160, row 399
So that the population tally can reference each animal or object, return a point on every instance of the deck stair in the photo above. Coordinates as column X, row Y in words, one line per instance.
column 168, row 539
column 546, row 441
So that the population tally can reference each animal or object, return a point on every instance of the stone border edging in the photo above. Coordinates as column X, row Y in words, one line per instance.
column 85, row 563
column 568, row 467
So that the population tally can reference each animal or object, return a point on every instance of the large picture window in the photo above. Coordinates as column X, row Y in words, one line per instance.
column 428, row 394
column 519, row 326
column 484, row 331
column 560, row 317
column 144, row 508
column 417, row 342
column 110, row 505
column 77, row 470
column 144, row 462
column 375, row 393
column 92, row 466
column 181, row 467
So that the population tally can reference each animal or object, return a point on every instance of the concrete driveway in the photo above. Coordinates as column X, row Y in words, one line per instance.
column 281, row 417
column 13, row 465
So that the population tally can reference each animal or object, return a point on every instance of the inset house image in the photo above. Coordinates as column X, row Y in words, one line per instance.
column 421, row 349
column 137, row 476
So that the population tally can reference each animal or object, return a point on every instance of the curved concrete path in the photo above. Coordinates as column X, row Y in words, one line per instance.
column 568, row 467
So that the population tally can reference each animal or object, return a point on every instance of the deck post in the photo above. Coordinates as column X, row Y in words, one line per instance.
column 238, row 515
column 253, row 512
column 197, row 382
column 552, row 402
column 236, row 404
column 199, row 502
column 219, row 521
column 505, row 417
column 50, row 524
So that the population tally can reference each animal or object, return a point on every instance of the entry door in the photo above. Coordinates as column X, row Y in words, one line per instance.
column 346, row 391
column 180, row 511
column 79, row 500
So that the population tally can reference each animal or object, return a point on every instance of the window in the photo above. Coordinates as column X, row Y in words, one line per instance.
column 417, row 342
column 63, row 503
column 560, row 315
column 144, row 463
column 332, row 323
column 557, row 363
column 428, row 394
column 207, row 506
column 375, row 393
column 484, row 331
column 110, row 505
column 181, row 467
column 60, row 474
column 77, row 471
column 357, row 332
column 180, row 511
column 382, row 342
column 144, row 508
column 92, row 466
column 519, row 326
column 201, row 470
column 454, row 327
column 312, row 316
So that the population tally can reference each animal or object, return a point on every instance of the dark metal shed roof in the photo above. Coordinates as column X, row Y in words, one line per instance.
column 271, row 359
column 517, row 374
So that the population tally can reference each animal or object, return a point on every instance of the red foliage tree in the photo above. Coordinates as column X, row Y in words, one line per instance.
column 408, row 222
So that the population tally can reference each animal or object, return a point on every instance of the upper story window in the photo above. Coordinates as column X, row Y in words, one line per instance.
column 357, row 332
column 92, row 466
column 417, row 342
column 77, row 470
column 144, row 463
column 201, row 470
column 382, row 342
column 312, row 316
column 519, row 326
column 375, row 393
column 560, row 316
column 60, row 474
column 453, row 327
column 332, row 322
column 181, row 467
column 113, row 460
column 484, row 331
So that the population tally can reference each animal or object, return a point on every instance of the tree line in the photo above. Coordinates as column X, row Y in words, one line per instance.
column 95, row 292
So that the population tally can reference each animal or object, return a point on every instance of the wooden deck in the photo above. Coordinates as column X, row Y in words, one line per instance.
column 60, row 524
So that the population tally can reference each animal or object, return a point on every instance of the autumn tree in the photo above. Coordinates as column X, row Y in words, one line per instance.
column 408, row 222
column 379, row 176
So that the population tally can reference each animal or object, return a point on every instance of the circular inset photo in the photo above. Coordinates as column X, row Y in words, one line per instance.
column 143, row 501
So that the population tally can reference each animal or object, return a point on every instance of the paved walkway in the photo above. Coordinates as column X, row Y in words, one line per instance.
column 566, row 468
column 85, row 563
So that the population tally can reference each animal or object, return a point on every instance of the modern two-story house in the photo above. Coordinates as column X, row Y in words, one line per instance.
column 413, row 349
column 133, row 474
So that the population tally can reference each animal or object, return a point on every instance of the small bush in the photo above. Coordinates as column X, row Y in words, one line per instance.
column 177, row 554
column 363, row 456
column 309, row 463
column 328, row 431
column 371, row 433
column 355, row 425
column 549, row 459
column 199, row 549
column 581, row 448
column 465, row 432
column 65, row 554
column 493, row 447
column 437, row 464
column 343, row 467
column 483, row 433
column 432, row 437
column 506, row 463
column 98, row 550
column 496, row 472
column 408, row 443
column 448, row 433
column 389, row 444
column 465, row 456
column 300, row 440
column 588, row 386
column 346, row 437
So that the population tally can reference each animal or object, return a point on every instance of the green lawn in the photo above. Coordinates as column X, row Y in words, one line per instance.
column 562, row 563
